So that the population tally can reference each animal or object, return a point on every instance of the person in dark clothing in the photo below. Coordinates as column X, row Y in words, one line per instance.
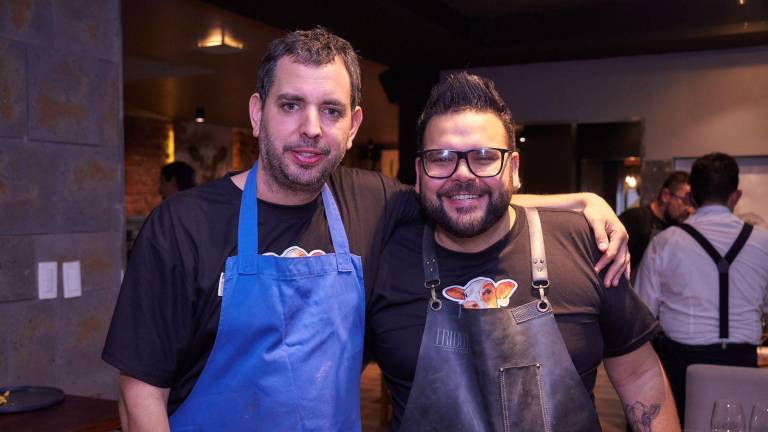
column 176, row 177
column 671, row 207
column 469, row 334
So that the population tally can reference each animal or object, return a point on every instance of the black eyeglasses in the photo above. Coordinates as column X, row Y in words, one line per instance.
column 482, row 162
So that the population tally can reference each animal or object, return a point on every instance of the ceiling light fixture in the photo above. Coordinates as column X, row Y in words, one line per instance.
column 219, row 42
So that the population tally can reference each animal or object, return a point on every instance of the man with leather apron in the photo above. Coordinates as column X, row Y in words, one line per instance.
column 495, row 332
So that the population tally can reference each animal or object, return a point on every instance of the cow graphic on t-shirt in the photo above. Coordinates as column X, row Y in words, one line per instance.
column 296, row 252
column 482, row 293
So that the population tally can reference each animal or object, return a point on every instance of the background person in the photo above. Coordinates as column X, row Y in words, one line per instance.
column 671, row 206
column 708, row 316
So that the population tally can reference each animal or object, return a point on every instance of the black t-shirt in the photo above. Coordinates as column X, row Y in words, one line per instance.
column 642, row 225
column 167, row 314
column 595, row 322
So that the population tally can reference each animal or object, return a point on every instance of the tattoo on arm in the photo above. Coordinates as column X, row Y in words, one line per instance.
column 640, row 415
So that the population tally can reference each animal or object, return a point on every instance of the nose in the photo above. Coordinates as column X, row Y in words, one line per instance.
column 310, row 126
column 463, row 173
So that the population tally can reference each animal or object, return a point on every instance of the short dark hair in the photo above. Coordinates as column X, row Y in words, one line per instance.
column 714, row 177
column 317, row 47
column 674, row 181
column 462, row 91
column 182, row 172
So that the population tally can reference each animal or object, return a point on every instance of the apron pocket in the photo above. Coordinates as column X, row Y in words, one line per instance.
column 522, row 405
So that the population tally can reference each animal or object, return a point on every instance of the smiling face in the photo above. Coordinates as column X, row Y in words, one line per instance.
column 306, row 124
column 465, row 205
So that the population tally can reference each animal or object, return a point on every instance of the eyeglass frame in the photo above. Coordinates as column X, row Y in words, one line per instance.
column 686, row 200
column 463, row 155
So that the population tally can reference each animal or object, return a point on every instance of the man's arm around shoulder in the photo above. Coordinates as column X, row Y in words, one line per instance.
column 143, row 407
column 639, row 379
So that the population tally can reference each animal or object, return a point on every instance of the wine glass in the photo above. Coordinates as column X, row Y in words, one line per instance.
column 758, row 420
column 727, row 416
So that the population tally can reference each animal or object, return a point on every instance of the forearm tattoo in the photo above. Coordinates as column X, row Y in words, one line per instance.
column 640, row 415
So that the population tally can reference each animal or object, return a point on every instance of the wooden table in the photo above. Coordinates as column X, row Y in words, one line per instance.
column 75, row 414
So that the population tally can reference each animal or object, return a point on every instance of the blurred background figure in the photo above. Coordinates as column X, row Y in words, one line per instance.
column 671, row 207
column 176, row 177
column 707, row 279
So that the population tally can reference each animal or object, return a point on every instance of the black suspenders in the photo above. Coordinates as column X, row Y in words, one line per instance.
column 723, row 265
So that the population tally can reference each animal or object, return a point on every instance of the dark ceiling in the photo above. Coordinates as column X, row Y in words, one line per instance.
column 466, row 33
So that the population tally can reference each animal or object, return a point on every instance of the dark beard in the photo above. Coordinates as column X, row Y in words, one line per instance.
column 497, row 207
column 307, row 181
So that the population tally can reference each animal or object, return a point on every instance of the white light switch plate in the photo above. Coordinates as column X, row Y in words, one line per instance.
column 47, row 280
column 70, row 273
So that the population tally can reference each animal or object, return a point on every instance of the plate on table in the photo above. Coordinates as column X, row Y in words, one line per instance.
column 29, row 398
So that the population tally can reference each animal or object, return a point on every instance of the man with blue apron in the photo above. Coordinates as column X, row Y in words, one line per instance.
column 288, row 352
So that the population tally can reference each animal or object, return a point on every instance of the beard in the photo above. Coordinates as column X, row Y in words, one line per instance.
column 466, row 224
column 297, row 177
column 671, row 220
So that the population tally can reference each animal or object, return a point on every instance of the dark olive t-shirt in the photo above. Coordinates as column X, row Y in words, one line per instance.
column 167, row 314
column 595, row 322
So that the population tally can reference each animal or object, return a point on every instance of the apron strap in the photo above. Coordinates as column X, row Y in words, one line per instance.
column 429, row 261
column 539, row 276
column 248, row 233
column 248, row 223
column 338, row 235
column 723, row 267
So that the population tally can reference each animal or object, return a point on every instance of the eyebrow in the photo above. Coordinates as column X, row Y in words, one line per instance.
column 291, row 97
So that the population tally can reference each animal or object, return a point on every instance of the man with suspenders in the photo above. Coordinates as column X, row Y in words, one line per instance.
column 707, row 280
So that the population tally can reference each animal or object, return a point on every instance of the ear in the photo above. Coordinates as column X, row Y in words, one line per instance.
column 357, row 120
column 734, row 199
column 665, row 195
column 254, row 109
column 454, row 293
column 504, row 290
column 514, row 165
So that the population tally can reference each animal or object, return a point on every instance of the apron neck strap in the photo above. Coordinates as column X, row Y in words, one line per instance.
column 248, row 233
column 539, row 276
column 429, row 261
column 338, row 234
column 248, row 223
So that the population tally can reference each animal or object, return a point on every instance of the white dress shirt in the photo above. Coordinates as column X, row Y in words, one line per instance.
column 679, row 281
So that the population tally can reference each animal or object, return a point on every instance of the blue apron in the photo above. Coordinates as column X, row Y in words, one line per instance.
column 288, row 351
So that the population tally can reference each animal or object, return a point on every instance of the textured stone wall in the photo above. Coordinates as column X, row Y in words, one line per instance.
column 61, row 187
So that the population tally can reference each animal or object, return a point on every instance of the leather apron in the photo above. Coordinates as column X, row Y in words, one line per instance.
column 288, row 351
column 501, row 369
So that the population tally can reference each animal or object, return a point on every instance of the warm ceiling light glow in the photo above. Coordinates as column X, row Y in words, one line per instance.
column 742, row 2
column 200, row 115
column 219, row 42
column 630, row 181
column 522, row 139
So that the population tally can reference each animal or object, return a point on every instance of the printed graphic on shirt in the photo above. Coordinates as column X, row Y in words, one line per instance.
column 296, row 252
column 482, row 293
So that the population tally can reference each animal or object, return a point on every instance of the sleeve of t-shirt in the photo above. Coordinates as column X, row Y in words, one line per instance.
column 625, row 321
column 149, row 326
column 403, row 204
